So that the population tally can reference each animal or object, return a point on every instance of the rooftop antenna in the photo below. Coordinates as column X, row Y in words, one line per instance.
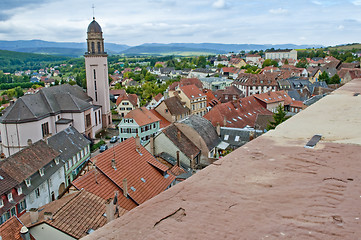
column 93, row 11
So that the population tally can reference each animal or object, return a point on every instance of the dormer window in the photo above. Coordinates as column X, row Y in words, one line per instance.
column 20, row 191
column 10, row 197
column 28, row 182
column 1, row 203
column 56, row 160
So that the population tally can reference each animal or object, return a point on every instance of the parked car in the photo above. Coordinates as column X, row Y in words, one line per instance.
column 103, row 148
column 114, row 139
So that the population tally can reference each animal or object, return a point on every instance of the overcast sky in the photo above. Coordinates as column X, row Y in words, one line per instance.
column 326, row 22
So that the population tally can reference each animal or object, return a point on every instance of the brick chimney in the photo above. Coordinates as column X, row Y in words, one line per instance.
column 152, row 148
column 125, row 187
column 109, row 209
column 178, row 160
column 137, row 142
column 179, row 136
column 192, row 162
column 34, row 215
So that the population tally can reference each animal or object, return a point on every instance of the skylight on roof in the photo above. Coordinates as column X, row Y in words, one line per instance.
column 239, row 118
column 1, row 178
column 234, row 119
column 133, row 188
column 229, row 121
column 142, row 179
column 250, row 114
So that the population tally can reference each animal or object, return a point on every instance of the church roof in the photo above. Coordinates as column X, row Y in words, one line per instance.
column 47, row 101
column 94, row 27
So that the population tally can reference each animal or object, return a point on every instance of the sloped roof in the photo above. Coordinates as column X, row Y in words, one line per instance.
column 132, row 98
column 181, row 141
column 99, row 184
column 175, row 106
column 204, row 128
column 191, row 81
column 162, row 121
column 46, row 102
column 264, row 79
column 133, row 166
column 10, row 230
column 192, row 91
column 142, row 116
column 6, row 182
column 28, row 161
column 158, row 97
column 74, row 214
column 273, row 97
column 68, row 142
column 237, row 114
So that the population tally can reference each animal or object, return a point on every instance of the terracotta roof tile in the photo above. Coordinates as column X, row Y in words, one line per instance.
column 6, row 182
column 192, row 92
column 191, row 81
column 175, row 106
column 134, row 166
column 163, row 122
column 28, row 161
column 10, row 230
column 158, row 97
column 99, row 184
column 237, row 114
column 142, row 116
column 176, row 170
column 274, row 97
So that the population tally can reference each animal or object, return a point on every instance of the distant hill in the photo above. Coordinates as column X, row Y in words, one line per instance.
column 347, row 47
column 11, row 61
column 69, row 49
column 210, row 48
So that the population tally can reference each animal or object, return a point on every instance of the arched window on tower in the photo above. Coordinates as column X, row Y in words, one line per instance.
column 93, row 47
column 99, row 50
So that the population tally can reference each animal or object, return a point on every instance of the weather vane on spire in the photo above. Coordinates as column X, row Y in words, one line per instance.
column 93, row 11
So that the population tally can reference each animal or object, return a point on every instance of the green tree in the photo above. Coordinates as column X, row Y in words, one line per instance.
column 302, row 63
column 269, row 62
column 286, row 62
column 324, row 77
column 335, row 79
column 278, row 117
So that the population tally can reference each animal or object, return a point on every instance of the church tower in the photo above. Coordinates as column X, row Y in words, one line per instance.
column 96, row 66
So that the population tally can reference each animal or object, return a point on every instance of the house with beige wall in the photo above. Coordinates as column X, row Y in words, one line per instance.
column 172, row 109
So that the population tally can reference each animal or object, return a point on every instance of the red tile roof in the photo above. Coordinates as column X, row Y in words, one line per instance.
column 230, row 70
column 176, row 170
column 191, row 81
column 192, row 92
column 265, row 79
column 99, row 184
column 10, row 230
column 132, row 98
column 142, row 116
column 163, row 122
column 75, row 214
column 237, row 114
column 211, row 99
column 273, row 97
column 158, row 97
column 134, row 166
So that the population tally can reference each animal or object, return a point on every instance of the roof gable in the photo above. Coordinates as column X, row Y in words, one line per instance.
column 142, row 116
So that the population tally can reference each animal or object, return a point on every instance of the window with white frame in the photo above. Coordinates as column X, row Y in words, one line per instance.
column 10, row 197
column 37, row 192
column 1, row 203
column 20, row 191
column 41, row 172
column 28, row 182
column 226, row 137
column 56, row 160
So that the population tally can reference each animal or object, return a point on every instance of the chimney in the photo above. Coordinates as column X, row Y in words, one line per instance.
column 192, row 162
column 224, row 121
column 114, row 165
column 34, row 215
column 30, row 142
column 109, row 209
column 152, row 148
column 137, row 142
column 125, row 188
column 269, row 93
column 218, row 129
column 24, row 233
column 179, row 136
column 48, row 216
column 178, row 160
column 11, row 102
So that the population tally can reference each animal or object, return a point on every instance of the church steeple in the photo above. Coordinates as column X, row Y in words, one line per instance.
column 95, row 39
column 96, row 66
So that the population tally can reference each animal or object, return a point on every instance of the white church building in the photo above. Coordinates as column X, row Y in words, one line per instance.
column 51, row 110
